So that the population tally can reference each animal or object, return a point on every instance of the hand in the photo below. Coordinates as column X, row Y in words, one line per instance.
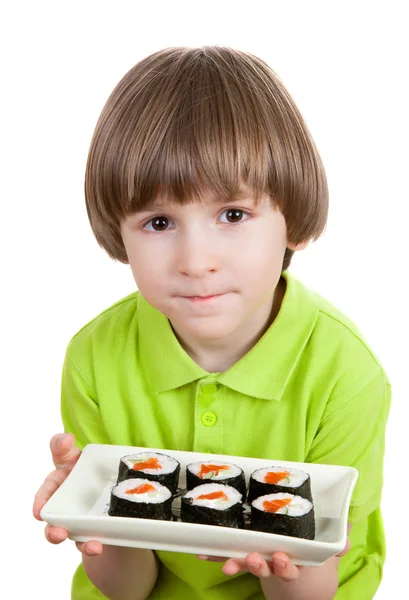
column 280, row 564
column 65, row 456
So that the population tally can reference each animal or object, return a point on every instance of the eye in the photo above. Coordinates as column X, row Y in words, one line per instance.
column 234, row 215
column 158, row 224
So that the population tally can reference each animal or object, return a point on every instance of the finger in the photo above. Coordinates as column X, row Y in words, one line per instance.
column 284, row 568
column 55, row 535
column 51, row 484
column 64, row 453
column 92, row 548
column 234, row 566
column 258, row 566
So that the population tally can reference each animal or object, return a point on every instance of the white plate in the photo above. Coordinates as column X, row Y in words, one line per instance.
column 80, row 505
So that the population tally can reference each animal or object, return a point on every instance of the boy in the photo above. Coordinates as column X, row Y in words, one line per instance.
column 202, row 175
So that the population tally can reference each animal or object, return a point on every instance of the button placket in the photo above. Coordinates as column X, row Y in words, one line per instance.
column 206, row 394
column 208, row 435
column 209, row 388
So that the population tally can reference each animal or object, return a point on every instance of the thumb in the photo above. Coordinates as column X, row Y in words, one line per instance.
column 64, row 453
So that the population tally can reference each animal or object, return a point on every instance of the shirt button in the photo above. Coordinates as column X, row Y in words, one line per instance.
column 209, row 418
column 209, row 388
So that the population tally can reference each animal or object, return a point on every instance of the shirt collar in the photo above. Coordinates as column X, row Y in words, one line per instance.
column 262, row 373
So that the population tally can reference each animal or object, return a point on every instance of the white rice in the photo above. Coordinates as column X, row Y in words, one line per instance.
column 233, row 496
column 294, row 479
column 298, row 506
column 160, row 494
column 167, row 463
column 232, row 471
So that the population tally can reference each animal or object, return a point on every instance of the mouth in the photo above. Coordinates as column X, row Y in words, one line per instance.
column 202, row 298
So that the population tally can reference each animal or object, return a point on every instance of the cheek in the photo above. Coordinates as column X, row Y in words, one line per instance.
column 148, row 269
column 264, row 260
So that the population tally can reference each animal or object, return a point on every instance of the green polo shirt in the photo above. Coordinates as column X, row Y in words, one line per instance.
column 310, row 390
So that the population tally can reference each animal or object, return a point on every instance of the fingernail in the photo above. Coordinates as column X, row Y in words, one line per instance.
column 254, row 565
column 202, row 557
column 279, row 563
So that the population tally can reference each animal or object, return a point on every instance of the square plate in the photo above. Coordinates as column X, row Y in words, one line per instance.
column 80, row 506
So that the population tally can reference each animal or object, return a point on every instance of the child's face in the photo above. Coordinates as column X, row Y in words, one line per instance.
column 232, row 252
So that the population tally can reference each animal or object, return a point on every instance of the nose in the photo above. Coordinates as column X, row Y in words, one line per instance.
column 197, row 254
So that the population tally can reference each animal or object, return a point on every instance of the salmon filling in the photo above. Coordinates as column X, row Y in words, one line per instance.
column 142, row 489
column 275, row 505
column 206, row 469
column 213, row 496
column 275, row 477
column 151, row 463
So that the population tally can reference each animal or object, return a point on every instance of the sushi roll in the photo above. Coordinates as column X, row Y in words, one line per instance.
column 150, row 465
column 284, row 514
column 215, row 471
column 213, row 504
column 141, row 498
column 273, row 480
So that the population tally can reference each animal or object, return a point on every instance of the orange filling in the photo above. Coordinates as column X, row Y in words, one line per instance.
column 151, row 463
column 275, row 505
column 205, row 469
column 142, row 489
column 213, row 496
column 275, row 476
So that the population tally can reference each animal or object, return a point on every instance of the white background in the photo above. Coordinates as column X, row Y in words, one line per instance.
column 343, row 62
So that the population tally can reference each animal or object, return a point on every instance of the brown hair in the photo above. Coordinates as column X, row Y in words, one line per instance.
column 185, row 120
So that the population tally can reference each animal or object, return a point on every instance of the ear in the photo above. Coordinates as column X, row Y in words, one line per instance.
column 297, row 247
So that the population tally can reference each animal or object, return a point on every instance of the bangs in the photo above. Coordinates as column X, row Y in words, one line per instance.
column 186, row 122
column 209, row 138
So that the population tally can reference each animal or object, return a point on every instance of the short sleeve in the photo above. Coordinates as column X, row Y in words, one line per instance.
column 354, row 435
column 79, row 408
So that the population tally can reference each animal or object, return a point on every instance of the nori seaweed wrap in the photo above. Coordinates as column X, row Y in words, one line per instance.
column 283, row 514
column 150, row 465
column 213, row 504
column 275, row 480
column 142, row 499
column 214, row 471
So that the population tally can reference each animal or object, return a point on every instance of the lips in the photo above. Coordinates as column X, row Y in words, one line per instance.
column 203, row 297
